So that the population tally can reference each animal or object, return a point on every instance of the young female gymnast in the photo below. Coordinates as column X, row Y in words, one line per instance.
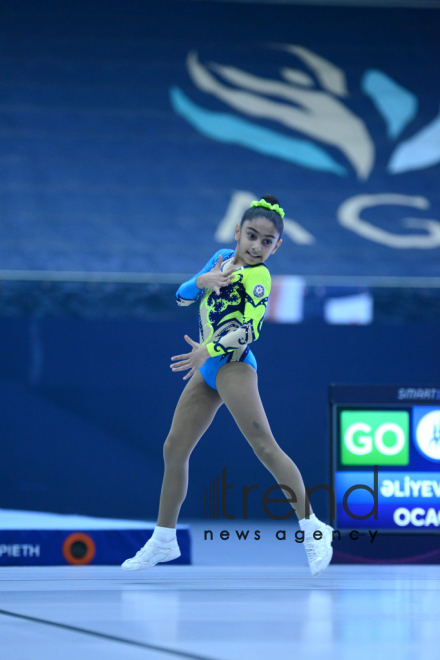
column 233, row 289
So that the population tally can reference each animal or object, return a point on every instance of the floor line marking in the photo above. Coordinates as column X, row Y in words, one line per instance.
column 113, row 638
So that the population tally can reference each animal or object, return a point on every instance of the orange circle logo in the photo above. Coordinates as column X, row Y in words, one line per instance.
column 79, row 549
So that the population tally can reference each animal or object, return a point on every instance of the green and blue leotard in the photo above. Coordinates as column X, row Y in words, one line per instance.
column 228, row 323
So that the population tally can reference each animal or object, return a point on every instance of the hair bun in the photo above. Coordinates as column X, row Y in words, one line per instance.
column 270, row 199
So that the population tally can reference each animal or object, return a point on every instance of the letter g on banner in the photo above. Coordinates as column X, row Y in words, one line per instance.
column 348, row 215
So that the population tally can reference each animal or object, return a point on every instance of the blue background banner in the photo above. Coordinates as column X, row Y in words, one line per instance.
column 133, row 138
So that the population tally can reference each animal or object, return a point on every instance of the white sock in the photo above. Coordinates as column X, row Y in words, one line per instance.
column 310, row 524
column 164, row 534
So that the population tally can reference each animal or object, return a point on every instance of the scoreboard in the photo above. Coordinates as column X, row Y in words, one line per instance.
column 385, row 462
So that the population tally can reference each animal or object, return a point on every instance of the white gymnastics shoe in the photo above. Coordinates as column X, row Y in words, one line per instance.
column 319, row 552
column 151, row 554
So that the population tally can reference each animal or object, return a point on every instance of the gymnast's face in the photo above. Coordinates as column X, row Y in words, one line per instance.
column 256, row 240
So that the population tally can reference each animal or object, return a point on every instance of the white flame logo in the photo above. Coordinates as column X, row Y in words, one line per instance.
column 312, row 105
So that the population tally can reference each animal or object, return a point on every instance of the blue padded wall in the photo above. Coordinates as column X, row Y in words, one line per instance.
column 85, row 407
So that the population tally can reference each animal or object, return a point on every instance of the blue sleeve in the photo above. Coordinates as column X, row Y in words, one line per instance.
column 188, row 292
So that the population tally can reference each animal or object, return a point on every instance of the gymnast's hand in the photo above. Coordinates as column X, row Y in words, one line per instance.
column 215, row 279
column 193, row 360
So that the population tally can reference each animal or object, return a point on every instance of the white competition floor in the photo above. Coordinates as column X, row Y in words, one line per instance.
column 236, row 602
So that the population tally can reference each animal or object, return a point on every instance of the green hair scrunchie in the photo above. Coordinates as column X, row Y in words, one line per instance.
column 271, row 207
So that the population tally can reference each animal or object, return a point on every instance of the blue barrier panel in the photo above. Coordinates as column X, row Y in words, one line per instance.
column 49, row 547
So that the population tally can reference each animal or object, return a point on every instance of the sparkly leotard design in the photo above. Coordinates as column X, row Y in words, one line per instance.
column 228, row 323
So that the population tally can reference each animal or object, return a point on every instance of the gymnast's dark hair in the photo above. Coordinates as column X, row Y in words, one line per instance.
column 268, row 214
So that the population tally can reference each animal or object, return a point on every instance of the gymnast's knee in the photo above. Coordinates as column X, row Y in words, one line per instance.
column 174, row 451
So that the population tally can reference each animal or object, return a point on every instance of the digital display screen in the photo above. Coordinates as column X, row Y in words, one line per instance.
column 386, row 457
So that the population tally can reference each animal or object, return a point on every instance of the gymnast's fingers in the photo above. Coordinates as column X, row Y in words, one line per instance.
column 189, row 374
column 181, row 366
column 181, row 357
